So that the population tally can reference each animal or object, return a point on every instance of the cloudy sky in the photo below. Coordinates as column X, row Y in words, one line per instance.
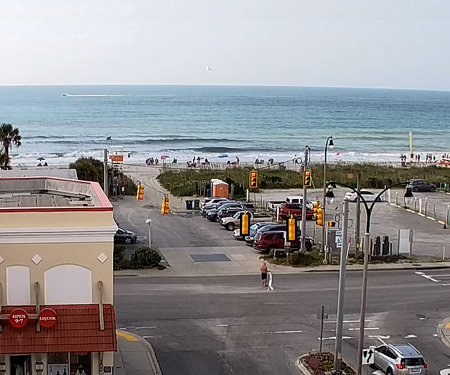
column 362, row 43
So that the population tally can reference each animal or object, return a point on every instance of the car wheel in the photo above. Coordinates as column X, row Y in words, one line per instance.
column 432, row 189
column 389, row 371
column 230, row 226
column 416, row 189
column 268, row 250
column 127, row 240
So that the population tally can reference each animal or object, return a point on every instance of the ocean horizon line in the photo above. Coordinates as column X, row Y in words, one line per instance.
column 218, row 85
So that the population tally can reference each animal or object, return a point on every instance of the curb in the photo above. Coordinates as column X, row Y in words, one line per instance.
column 397, row 268
column 301, row 367
column 441, row 332
column 150, row 352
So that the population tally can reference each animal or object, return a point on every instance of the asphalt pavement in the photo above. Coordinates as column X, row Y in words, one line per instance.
column 231, row 325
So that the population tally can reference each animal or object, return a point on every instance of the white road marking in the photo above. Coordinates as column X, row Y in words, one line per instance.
column 445, row 371
column 152, row 337
column 444, row 275
column 379, row 337
column 410, row 337
column 419, row 273
column 435, row 335
column 221, row 325
column 409, row 210
column 334, row 338
column 347, row 321
column 288, row 331
column 123, row 329
column 150, row 327
column 381, row 340
column 377, row 372
column 441, row 222
column 430, row 278
column 445, row 284
column 366, row 329
column 421, row 214
column 431, row 218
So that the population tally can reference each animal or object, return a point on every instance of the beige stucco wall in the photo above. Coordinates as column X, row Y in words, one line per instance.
column 86, row 218
column 54, row 254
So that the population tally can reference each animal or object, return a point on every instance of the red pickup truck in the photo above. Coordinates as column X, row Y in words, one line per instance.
column 295, row 209
column 267, row 241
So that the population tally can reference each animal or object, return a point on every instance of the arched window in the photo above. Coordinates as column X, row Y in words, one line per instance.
column 18, row 285
column 68, row 284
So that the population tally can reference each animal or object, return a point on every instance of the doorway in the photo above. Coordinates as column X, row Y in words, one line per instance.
column 20, row 364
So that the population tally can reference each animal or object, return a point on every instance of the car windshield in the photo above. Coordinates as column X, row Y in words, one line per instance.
column 237, row 215
column 414, row 361
column 254, row 226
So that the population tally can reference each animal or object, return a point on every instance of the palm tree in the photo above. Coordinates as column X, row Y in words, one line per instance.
column 8, row 136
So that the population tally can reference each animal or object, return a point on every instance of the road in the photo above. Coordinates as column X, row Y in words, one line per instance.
column 231, row 325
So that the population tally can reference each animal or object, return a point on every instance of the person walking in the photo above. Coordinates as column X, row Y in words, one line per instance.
column 264, row 271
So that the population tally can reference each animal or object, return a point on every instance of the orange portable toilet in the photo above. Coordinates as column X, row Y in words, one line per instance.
column 220, row 189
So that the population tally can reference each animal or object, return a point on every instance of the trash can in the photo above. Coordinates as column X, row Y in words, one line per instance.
column 189, row 205
column 196, row 204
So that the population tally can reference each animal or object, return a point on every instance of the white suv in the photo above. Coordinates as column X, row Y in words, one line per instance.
column 400, row 359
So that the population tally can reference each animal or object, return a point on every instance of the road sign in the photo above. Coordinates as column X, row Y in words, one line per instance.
column 338, row 239
column 368, row 356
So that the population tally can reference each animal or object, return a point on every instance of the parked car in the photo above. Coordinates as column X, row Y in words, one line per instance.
column 227, row 212
column 261, row 227
column 368, row 196
column 231, row 222
column 124, row 236
column 214, row 206
column 212, row 214
column 211, row 200
column 400, row 359
column 295, row 209
column 420, row 185
column 265, row 242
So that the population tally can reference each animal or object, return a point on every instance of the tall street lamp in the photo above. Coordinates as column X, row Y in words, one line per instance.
column 340, row 319
column 328, row 143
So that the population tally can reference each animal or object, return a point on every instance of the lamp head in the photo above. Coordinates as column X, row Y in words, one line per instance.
column 331, row 143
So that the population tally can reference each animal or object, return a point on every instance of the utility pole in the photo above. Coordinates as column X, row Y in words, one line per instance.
column 105, row 172
column 341, row 292
column 305, row 200
column 358, row 216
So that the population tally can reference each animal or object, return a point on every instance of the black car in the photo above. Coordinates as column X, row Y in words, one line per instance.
column 420, row 185
column 212, row 214
column 125, row 236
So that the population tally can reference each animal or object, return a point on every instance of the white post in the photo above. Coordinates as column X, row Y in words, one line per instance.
column 278, row 213
column 426, row 204
column 443, row 253
column 396, row 198
column 248, row 195
column 420, row 205
column 434, row 210
column 149, row 223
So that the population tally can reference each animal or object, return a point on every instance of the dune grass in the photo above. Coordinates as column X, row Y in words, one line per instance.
column 196, row 182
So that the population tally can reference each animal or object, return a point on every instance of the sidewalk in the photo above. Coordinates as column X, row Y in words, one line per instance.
column 212, row 270
column 135, row 356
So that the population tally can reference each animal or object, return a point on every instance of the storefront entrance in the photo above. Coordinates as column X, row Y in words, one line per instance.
column 20, row 364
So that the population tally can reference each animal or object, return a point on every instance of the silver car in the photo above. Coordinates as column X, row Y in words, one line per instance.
column 400, row 359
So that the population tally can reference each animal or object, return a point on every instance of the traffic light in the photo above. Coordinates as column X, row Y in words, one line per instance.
column 319, row 217
column 315, row 207
column 165, row 206
column 245, row 224
column 253, row 183
column 291, row 229
column 331, row 224
column 140, row 192
column 307, row 178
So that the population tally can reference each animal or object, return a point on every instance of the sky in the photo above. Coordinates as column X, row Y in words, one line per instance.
column 356, row 43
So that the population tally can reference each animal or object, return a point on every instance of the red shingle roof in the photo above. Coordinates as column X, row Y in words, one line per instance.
column 77, row 330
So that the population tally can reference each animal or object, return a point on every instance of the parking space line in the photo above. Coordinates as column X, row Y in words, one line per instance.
column 366, row 328
column 288, row 332
column 410, row 337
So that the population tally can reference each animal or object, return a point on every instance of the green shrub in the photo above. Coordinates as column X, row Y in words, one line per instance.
column 298, row 258
column 145, row 257
column 119, row 258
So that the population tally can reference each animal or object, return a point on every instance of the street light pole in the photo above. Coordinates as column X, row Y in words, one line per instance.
column 324, row 202
column 341, row 291
column 305, row 200
column 149, row 223
column 362, row 318
column 105, row 172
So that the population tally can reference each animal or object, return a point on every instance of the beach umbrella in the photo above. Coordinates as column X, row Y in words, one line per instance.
column 40, row 158
column 223, row 155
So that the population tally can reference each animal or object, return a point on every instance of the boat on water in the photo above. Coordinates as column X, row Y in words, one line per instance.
column 65, row 94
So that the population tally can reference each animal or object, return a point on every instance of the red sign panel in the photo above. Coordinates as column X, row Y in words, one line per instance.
column 47, row 318
column 18, row 318
column 116, row 158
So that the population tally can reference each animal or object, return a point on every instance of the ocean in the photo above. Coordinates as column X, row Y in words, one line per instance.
column 63, row 123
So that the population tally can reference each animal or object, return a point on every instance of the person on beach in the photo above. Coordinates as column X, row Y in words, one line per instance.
column 264, row 271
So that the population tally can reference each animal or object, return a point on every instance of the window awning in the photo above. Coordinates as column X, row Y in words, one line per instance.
column 77, row 329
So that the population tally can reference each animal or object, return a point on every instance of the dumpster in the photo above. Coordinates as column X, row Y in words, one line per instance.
column 196, row 204
column 189, row 205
